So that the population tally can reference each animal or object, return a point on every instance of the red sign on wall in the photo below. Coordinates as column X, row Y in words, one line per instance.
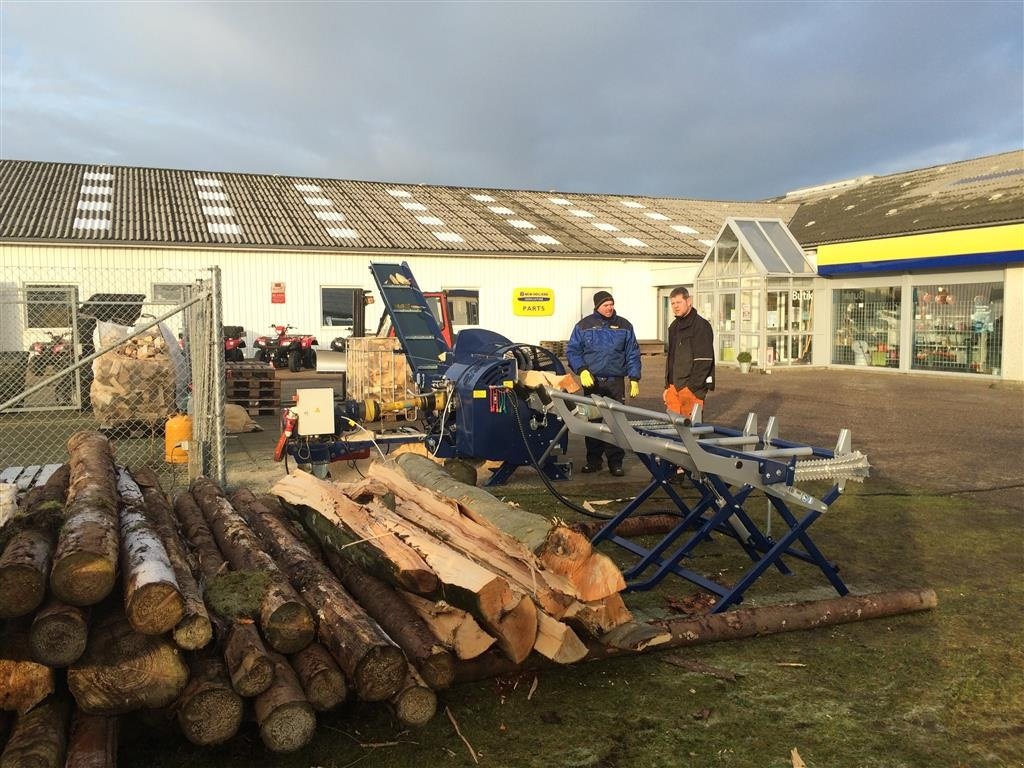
column 277, row 293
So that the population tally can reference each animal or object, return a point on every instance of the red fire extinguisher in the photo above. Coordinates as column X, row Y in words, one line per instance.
column 290, row 422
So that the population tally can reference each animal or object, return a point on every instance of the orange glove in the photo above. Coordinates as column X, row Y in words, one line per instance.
column 681, row 400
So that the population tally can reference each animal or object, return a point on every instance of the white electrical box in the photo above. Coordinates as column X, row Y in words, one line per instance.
column 316, row 411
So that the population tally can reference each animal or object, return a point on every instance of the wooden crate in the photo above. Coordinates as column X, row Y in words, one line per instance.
column 254, row 386
column 377, row 370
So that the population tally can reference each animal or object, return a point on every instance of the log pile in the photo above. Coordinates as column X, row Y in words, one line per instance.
column 134, row 382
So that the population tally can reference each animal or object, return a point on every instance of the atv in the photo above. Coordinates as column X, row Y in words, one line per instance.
column 284, row 349
column 234, row 343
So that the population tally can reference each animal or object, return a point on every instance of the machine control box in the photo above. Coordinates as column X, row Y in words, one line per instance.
column 316, row 411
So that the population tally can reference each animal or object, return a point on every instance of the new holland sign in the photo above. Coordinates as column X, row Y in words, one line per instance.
column 533, row 302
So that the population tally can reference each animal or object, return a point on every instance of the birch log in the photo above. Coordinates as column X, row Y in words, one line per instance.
column 152, row 599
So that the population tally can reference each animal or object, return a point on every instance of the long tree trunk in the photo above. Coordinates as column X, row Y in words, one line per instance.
column 152, row 600
column 85, row 562
column 59, row 633
column 396, row 617
column 93, row 741
column 209, row 711
column 39, row 737
column 123, row 670
column 372, row 661
column 284, row 618
column 24, row 682
column 286, row 719
column 247, row 658
column 194, row 630
column 26, row 560
column 322, row 680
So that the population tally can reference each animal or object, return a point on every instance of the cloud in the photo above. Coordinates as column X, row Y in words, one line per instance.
column 740, row 100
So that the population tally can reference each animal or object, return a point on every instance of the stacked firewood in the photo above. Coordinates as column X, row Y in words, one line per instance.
column 134, row 382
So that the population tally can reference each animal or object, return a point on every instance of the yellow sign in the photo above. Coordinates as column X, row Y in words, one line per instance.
column 533, row 302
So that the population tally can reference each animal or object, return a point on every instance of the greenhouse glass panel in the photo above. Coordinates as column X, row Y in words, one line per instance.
column 763, row 249
column 791, row 254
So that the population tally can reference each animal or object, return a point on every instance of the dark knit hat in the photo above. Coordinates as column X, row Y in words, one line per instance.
column 601, row 297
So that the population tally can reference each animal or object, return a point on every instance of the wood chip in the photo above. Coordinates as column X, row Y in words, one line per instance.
column 797, row 760
column 533, row 687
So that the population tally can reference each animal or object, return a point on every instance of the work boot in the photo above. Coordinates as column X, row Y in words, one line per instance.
column 590, row 466
column 616, row 471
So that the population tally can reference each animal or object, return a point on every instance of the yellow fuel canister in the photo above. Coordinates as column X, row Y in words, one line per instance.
column 177, row 434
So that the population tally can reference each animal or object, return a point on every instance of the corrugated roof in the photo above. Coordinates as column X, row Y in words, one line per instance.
column 122, row 204
column 980, row 192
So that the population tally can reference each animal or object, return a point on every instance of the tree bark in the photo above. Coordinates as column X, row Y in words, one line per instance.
column 39, row 737
column 123, row 670
column 209, row 711
column 23, row 682
column 401, row 622
column 93, row 741
column 59, row 633
column 453, row 627
column 370, row 659
column 734, row 625
column 342, row 526
column 322, row 680
column 284, row 618
column 85, row 562
column 286, row 719
column 28, row 555
column 631, row 527
column 415, row 703
column 194, row 630
column 246, row 656
column 152, row 600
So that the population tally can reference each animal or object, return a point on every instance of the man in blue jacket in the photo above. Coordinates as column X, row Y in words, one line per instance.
column 601, row 351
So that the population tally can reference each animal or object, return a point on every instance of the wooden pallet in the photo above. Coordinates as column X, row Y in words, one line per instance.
column 252, row 389
column 248, row 371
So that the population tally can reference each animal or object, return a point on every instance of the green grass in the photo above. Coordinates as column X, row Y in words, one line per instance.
column 938, row 689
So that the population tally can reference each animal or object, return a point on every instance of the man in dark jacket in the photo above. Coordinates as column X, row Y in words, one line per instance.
column 601, row 351
column 690, row 369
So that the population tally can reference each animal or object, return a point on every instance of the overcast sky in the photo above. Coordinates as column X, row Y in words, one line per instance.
column 709, row 100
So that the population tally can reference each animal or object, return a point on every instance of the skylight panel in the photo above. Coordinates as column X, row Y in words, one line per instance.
column 500, row 210
column 201, row 181
column 581, row 213
column 605, row 226
column 483, row 198
column 92, row 223
column 207, row 195
column 343, row 234
column 448, row 237
column 95, row 176
column 684, row 230
column 414, row 206
column 95, row 205
column 520, row 224
column 399, row 193
column 329, row 215
column 217, row 228
column 430, row 221
column 632, row 242
column 88, row 189
column 656, row 216
column 559, row 201
column 708, row 243
column 218, row 210
column 325, row 202
column 308, row 188
column 631, row 203
column 544, row 239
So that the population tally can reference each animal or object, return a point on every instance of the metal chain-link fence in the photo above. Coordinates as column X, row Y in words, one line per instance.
column 125, row 351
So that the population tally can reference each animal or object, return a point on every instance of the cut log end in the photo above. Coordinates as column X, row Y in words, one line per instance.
column 415, row 706
column 290, row 727
column 438, row 670
column 290, row 627
column 83, row 578
column 212, row 716
column 22, row 589
column 155, row 609
column 193, row 632
column 380, row 673
column 58, row 635
column 322, row 681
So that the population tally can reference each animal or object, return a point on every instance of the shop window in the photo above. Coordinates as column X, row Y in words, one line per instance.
column 866, row 326
column 170, row 293
column 958, row 327
column 48, row 305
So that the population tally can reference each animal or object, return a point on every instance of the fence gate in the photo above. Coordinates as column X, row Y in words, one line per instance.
column 116, row 350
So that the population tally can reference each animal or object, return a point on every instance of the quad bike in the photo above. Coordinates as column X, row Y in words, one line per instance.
column 295, row 352
column 234, row 343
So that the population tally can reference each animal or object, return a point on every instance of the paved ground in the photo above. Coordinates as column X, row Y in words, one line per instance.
column 934, row 433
